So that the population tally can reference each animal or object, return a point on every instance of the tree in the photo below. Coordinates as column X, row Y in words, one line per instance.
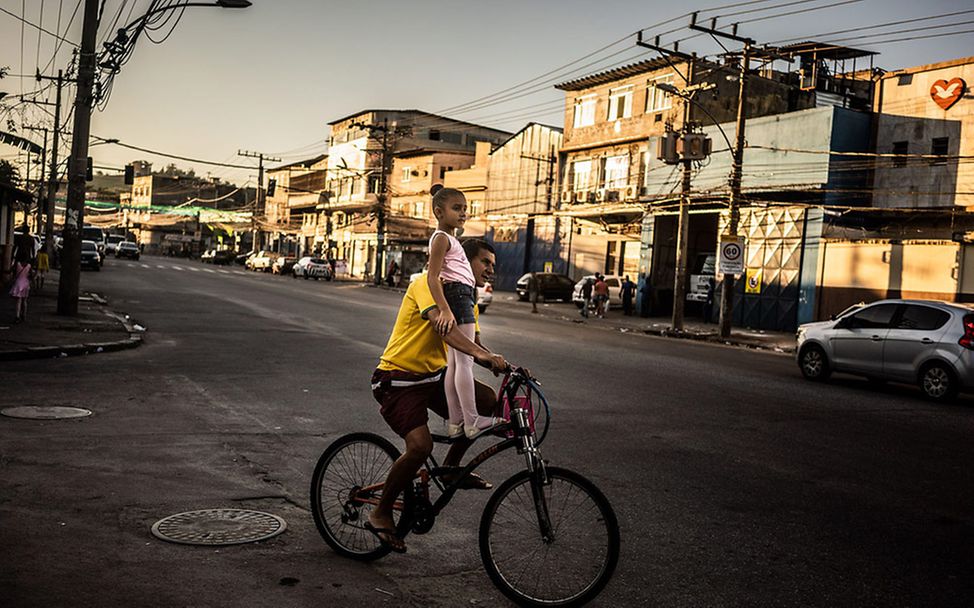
column 9, row 173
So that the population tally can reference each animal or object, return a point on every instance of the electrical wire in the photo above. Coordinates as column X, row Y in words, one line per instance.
column 34, row 25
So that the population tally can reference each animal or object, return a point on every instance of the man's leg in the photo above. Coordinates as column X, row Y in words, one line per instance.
column 419, row 445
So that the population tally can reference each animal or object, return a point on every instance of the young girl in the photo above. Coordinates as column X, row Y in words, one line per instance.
column 454, row 290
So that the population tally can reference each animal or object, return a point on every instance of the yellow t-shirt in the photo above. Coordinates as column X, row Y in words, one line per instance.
column 414, row 345
column 42, row 263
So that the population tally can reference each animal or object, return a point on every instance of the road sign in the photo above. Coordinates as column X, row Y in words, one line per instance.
column 731, row 255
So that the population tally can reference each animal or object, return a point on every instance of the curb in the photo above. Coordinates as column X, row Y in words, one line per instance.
column 87, row 348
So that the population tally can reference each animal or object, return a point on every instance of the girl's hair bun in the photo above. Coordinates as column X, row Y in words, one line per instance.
column 435, row 188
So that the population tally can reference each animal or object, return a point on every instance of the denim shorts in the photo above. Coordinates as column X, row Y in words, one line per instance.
column 460, row 297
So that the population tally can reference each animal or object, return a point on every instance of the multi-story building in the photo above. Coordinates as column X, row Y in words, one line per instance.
column 295, row 224
column 924, row 116
column 355, row 167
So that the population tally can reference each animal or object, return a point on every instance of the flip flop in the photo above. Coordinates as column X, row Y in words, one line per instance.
column 378, row 532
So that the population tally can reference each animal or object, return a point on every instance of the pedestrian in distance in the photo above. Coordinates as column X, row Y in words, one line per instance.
column 628, row 292
column 391, row 273
column 43, row 265
column 454, row 289
column 587, row 286
column 601, row 290
column 23, row 272
column 708, row 303
column 646, row 293
column 534, row 289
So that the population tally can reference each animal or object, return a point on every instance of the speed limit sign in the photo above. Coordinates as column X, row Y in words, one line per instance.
column 731, row 255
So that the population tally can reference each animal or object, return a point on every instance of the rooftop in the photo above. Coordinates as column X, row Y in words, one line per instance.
column 633, row 69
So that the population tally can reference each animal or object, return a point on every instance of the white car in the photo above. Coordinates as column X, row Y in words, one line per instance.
column 310, row 267
column 261, row 262
column 485, row 294
column 615, row 289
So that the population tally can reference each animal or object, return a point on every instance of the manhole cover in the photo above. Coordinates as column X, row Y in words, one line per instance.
column 45, row 412
column 218, row 527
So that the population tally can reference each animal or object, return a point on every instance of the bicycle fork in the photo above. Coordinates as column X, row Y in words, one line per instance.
column 538, row 473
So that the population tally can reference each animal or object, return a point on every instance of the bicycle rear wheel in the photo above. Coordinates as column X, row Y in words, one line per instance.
column 569, row 570
column 341, row 500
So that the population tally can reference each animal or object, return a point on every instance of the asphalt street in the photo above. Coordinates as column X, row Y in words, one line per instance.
column 736, row 482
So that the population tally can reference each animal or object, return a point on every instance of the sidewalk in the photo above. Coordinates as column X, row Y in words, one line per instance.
column 782, row 342
column 45, row 334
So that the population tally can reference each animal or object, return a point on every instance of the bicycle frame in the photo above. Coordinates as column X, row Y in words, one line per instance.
column 523, row 440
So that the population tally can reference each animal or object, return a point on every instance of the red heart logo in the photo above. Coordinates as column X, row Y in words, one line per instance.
column 947, row 93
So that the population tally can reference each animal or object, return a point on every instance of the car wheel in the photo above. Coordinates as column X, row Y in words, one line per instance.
column 306, row 276
column 482, row 308
column 814, row 364
column 938, row 382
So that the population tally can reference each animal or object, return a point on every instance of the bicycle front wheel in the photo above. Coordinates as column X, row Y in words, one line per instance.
column 567, row 570
column 346, row 486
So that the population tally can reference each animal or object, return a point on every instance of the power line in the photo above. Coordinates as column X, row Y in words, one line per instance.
column 34, row 25
column 173, row 156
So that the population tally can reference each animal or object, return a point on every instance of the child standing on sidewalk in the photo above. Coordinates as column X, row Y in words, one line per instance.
column 454, row 290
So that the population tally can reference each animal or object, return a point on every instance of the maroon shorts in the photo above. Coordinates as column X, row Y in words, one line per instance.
column 404, row 398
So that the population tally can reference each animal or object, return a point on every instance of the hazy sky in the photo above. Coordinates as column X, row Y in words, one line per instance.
column 270, row 77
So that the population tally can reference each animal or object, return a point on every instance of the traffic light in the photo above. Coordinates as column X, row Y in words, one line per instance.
column 129, row 175
column 89, row 171
column 271, row 187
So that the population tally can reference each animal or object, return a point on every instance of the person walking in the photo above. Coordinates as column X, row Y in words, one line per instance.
column 43, row 265
column 708, row 304
column 586, row 295
column 391, row 273
column 601, row 290
column 23, row 267
column 646, row 297
column 628, row 292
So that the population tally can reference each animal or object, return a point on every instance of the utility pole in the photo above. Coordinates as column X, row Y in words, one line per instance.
column 727, row 293
column 67, row 304
column 259, row 203
column 686, row 159
column 548, row 181
column 390, row 134
column 52, row 181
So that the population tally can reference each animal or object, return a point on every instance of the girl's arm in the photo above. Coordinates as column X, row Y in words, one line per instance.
column 445, row 321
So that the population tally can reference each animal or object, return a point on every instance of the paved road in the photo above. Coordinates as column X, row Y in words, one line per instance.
column 736, row 482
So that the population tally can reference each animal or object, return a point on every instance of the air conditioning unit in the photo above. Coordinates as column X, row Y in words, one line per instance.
column 567, row 196
column 632, row 192
column 612, row 196
column 600, row 195
column 582, row 196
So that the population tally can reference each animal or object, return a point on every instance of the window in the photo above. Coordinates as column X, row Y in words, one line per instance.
column 939, row 147
column 657, row 100
column 620, row 103
column 418, row 208
column 407, row 174
column 904, row 79
column 874, row 317
column 903, row 148
column 434, row 135
column 584, row 111
column 582, row 175
column 473, row 208
column 616, row 171
column 922, row 318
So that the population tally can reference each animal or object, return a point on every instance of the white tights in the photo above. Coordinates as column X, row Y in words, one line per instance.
column 460, row 394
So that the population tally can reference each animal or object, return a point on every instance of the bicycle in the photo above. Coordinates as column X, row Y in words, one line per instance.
column 547, row 536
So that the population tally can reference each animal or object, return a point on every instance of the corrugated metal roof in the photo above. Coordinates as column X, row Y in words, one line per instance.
column 614, row 74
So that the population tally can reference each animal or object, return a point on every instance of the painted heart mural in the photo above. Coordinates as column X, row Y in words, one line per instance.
column 946, row 93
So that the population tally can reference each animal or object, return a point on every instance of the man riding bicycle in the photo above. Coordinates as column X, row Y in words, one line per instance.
column 409, row 380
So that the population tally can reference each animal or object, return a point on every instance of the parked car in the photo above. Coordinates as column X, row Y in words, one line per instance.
column 261, row 262
column 207, row 256
column 310, row 267
column 241, row 258
column 282, row 265
column 925, row 342
column 90, row 258
column 112, row 241
column 97, row 236
column 485, row 294
column 223, row 257
column 615, row 289
column 127, row 249
column 553, row 286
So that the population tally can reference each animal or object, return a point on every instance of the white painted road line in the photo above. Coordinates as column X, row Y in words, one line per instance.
column 146, row 266
column 160, row 266
column 208, row 270
column 178, row 268
column 194, row 269
column 223, row 271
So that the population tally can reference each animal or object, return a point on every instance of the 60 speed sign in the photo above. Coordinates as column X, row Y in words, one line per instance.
column 731, row 255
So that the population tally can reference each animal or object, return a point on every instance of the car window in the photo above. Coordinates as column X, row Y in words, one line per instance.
column 923, row 318
column 612, row 282
column 88, row 246
column 874, row 317
column 566, row 282
column 317, row 261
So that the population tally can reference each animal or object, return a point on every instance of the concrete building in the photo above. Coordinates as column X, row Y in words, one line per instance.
column 355, row 167
column 925, row 117
column 294, row 224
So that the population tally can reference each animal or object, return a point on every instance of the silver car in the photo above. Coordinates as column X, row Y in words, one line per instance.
column 917, row 341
